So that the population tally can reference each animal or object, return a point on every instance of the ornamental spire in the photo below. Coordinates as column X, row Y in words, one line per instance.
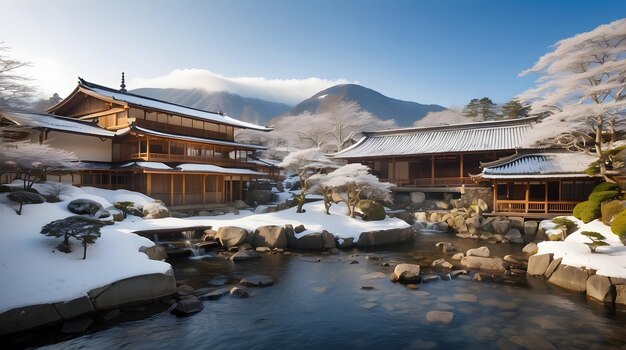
column 123, row 85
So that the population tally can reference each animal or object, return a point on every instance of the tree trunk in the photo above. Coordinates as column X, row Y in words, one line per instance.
column 19, row 211
column 301, row 200
column 84, row 249
column 599, row 153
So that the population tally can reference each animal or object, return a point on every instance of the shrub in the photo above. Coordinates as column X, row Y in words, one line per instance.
column 84, row 229
column 587, row 211
column 610, row 209
column 618, row 226
column 567, row 225
column 603, row 196
column 606, row 186
column 597, row 240
column 129, row 208
column 370, row 210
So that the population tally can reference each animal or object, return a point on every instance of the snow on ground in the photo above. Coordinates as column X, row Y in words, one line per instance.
column 32, row 271
column 608, row 261
column 314, row 220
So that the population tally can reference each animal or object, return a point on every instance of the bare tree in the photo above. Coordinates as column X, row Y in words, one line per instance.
column 581, row 85
column 14, row 88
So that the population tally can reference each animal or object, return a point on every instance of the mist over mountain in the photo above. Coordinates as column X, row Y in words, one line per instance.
column 405, row 113
column 243, row 108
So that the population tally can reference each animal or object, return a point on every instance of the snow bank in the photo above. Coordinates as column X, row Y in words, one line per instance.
column 34, row 272
column 608, row 261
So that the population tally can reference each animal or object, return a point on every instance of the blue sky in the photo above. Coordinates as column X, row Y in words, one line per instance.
column 444, row 52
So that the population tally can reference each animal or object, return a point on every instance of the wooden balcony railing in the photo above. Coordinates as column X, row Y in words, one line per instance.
column 521, row 206
column 438, row 181
column 164, row 157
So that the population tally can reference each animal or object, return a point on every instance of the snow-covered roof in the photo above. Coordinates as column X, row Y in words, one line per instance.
column 485, row 136
column 147, row 165
column 152, row 103
column 539, row 165
column 196, row 139
column 53, row 122
column 209, row 168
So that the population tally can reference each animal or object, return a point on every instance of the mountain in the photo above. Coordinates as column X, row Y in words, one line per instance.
column 405, row 113
column 243, row 108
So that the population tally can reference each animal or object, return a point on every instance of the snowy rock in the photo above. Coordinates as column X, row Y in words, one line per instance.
column 409, row 273
column 441, row 317
column 155, row 210
column 418, row 197
column 270, row 236
column 187, row 307
column 117, row 214
column 530, row 249
column 244, row 255
column 156, row 252
column 480, row 251
column 569, row 277
column 538, row 263
column 600, row 288
column 482, row 263
column 555, row 234
column 231, row 236
column 84, row 206
column 239, row 292
column 257, row 281
column 514, row 236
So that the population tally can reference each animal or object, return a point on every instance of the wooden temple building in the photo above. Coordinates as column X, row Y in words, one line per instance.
column 478, row 156
column 180, row 155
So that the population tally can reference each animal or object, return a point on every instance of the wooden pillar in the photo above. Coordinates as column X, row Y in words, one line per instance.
column 240, row 187
column 495, row 194
column 171, row 189
column 148, row 149
column 461, row 167
column 217, row 178
column 148, row 184
column 545, row 186
column 432, row 170
column 230, row 197
column 203, row 189
column 526, row 195
column 184, row 189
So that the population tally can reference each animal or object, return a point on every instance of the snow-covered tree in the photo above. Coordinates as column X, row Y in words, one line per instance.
column 449, row 116
column 305, row 163
column 352, row 182
column 33, row 161
column 14, row 88
column 581, row 86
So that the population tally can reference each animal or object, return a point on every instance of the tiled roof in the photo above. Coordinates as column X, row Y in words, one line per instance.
column 152, row 103
column 53, row 122
column 486, row 136
column 541, row 165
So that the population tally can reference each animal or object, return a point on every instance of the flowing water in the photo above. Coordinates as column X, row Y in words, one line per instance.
column 318, row 302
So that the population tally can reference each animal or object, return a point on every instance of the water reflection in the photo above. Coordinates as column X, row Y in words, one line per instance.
column 345, row 300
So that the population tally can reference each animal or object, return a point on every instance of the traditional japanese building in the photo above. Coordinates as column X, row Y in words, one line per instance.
column 444, row 159
column 180, row 155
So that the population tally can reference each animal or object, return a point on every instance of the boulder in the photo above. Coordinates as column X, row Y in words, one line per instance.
column 514, row 236
column 517, row 222
column 443, row 205
column 538, row 263
column 600, row 288
column 84, row 206
column 501, row 226
column 370, row 210
column 187, row 307
column 384, row 237
column 569, row 277
column 117, row 214
column 76, row 326
column 184, row 290
column 530, row 228
column 346, row 243
column 299, row 229
column 244, row 255
column 142, row 288
column 231, row 236
column 555, row 234
column 552, row 267
column 480, row 251
column 418, row 197
column 257, row 281
column 328, row 239
column 458, row 256
column 270, row 236
column 156, row 252
column 515, row 260
column 239, row 292
column 441, row 317
column 620, row 295
column 239, row 204
column 74, row 308
column 310, row 241
column 442, row 263
column 155, row 210
column 408, row 273
column 530, row 249
column 482, row 263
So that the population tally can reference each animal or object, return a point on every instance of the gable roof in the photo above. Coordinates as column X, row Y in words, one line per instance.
column 139, row 101
column 538, row 165
column 486, row 136
column 54, row 122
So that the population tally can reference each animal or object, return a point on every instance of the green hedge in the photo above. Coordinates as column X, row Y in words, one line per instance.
column 618, row 226
column 606, row 186
column 587, row 211
column 602, row 196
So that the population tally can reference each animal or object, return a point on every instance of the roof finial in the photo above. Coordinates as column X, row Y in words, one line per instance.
column 122, row 85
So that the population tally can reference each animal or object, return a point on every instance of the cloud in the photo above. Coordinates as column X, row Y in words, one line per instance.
column 289, row 91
